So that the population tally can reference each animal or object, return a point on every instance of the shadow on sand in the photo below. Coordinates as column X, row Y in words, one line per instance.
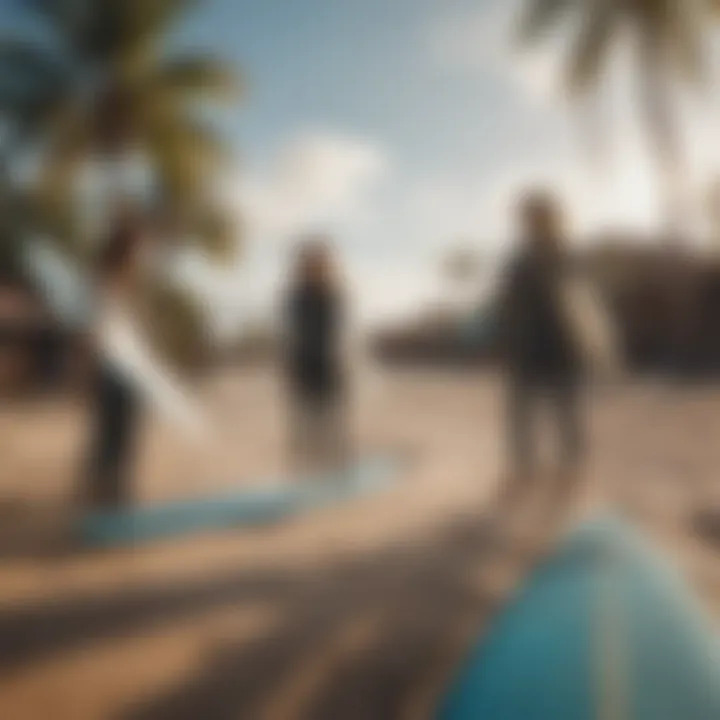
column 424, row 592
column 35, row 531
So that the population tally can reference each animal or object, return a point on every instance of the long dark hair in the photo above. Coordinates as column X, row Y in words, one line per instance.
column 542, row 216
column 315, row 264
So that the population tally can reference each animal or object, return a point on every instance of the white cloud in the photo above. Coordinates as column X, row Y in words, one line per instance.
column 480, row 212
column 317, row 178
column 396, row 288
column 484, row 41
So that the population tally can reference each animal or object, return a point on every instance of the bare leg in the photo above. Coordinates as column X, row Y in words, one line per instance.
column 567, row 405
column 301, row 432
column 332, row 441
column 520, row 411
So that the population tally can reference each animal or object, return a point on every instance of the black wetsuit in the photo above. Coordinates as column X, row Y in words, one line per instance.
column 313, row 318
column 541, row 353
column 115, row 417
column 314, row 368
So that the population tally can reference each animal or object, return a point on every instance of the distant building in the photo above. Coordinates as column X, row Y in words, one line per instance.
column 665, row 303
column 34, row 352
column 439, row 338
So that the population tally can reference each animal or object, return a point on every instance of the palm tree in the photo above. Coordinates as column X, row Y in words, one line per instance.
column 100, row 85
column 668, row 40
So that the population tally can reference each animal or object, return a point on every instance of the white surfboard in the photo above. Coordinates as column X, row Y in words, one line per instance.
column 72, row 298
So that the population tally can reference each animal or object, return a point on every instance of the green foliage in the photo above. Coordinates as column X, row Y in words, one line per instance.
column 100, row 81
column 105, row 84
column 669, row 38
column 177, row 325
column 674, row 29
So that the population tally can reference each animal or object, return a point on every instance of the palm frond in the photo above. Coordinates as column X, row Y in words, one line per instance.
column 177, row 324
column 67, row 144
column 145, row 22
column 193, row 78
column 591, row 48
column 154, row 98
column 539, row 16
column 187, row 151
column 686, row 38
column 207, row 147
column 217, row 234
column 56, row 218
column 179, row 174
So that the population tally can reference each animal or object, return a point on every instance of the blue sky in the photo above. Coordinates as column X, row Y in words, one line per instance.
column 415, row 90
column 404, row 127
column 361, row 66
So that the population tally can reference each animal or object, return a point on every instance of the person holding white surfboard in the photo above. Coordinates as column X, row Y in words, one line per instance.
column 127, row 374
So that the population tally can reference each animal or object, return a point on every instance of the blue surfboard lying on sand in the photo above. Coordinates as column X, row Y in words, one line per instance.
column 251, row 506
column 603, row 631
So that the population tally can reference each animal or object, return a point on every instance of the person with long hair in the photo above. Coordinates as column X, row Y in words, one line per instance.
column 126, row 372
column 314, row 320
column 115, row 401
column 542, row 354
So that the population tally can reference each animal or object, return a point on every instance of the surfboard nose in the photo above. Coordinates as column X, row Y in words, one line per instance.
column 603, row 630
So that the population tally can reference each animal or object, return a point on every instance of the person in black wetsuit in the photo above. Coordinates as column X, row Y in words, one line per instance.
column 115, row 402
column 314, row 320
column 542, row 356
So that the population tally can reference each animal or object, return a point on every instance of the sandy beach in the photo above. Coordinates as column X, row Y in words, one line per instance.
column 357, row 612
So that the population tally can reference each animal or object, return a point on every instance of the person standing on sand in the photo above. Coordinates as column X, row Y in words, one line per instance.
column 314, row 325
column 125, row 372
column 541, row 353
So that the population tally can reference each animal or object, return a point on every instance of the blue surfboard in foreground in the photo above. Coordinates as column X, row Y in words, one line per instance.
column 602, row 631
column 251, row 506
